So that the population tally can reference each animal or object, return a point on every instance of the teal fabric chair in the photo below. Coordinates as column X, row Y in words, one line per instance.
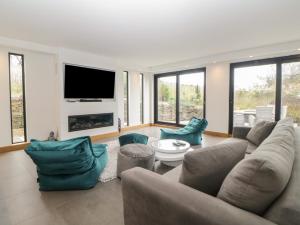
column 133, row 138
column 68, row 165
column 191, row 133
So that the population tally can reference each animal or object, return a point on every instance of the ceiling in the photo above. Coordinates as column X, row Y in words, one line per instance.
column 152, row 32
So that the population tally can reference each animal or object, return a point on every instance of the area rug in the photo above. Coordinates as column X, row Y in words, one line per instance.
column 110, row 171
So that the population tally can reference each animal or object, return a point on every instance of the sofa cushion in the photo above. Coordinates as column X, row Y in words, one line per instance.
column 260, row 132
column 256, row 181
column 206, row 168
column 251, row 148
column 286, row 209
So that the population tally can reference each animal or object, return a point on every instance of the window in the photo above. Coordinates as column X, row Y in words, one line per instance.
column 142, row 98
column 126, row 99
column 290, row 95
column 179, row 96
column 17, row 98
column 266, row 89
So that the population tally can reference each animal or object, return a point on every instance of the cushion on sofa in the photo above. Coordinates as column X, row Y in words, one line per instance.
column 256, row 181
column 260, row 132
column 206, row 168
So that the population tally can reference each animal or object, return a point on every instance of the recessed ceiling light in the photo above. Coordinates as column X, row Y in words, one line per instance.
column 298, row 49
column 250, row 56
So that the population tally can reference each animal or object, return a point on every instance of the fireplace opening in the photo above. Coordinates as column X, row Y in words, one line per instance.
column 90, row 121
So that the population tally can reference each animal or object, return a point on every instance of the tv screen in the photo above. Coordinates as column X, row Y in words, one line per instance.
column 82, row 82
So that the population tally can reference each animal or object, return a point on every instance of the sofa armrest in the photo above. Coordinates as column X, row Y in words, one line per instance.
column 240, row 132
column 151, row 199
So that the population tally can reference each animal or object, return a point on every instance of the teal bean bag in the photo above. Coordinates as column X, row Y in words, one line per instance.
column 191, row 133
column 133, row 138
column 68, row 165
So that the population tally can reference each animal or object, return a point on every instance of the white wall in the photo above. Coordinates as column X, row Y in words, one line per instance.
column 40, row 91
column 5, row 134
column 80, row 108
column 46, row 109
column 217, row 97
column 116, row 106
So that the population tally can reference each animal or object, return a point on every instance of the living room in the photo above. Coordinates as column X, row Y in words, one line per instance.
column 110, row 109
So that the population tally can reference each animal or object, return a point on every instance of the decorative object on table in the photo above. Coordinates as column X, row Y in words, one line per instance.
column 132, row 155
column 191, row 133
column 68, row 165
column 133, row 138
column 52, row 136
column 179, row 143
column 169, row 153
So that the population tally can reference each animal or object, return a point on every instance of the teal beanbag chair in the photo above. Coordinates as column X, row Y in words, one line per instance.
column 191, row 133
column 68, row 165
column 133, row 138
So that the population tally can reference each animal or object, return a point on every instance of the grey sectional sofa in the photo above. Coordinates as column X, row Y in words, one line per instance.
column 152, row 199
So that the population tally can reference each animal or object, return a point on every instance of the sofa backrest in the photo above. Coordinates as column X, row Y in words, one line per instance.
column 286, row 209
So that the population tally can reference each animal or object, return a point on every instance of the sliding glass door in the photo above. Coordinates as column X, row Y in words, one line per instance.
column 191, row 95
column 290, row 95
column 179, row 96
column 166, row 99
column 254, row 94
column 266, row 89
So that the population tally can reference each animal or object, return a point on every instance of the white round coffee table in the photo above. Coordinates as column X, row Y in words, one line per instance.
column 168, row 153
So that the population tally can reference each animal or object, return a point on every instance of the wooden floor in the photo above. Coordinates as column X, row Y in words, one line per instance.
column 22, row 203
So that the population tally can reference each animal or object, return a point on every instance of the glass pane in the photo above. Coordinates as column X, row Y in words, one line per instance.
column 141, row 100
column 254, row 94
column 166, row 99
column 290, row 99
column 17, row 98
column 125, row 82
column 191, row 96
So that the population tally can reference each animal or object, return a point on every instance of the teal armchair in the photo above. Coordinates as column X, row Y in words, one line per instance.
column 191, row 133
column 68, row 165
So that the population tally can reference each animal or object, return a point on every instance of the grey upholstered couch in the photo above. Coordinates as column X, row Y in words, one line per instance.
column 152, row 199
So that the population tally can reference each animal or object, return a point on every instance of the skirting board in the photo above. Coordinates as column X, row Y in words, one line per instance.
column 94, row 138
column 14, row 147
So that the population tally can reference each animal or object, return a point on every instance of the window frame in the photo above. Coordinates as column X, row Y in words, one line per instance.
column 127, row 105
column 142, row 100
column 24, row 99
column 278, row 61
column 177, row 75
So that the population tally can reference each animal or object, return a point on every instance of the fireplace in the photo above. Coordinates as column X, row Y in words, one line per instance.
column 90, row 121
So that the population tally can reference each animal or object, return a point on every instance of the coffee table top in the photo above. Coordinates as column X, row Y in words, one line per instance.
column 167, row 146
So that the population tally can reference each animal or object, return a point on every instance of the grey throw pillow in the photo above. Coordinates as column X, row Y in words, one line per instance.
column 206, row 168
column 256, row 181
column 260, row 132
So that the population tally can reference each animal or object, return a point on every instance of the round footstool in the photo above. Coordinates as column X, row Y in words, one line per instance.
column 132, row 155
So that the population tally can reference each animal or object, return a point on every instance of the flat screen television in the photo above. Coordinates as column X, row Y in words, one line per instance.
column 88, row 83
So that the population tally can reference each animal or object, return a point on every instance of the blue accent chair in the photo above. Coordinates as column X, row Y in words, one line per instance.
column 133, row 138
column 68, row 165
column 191, row 133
